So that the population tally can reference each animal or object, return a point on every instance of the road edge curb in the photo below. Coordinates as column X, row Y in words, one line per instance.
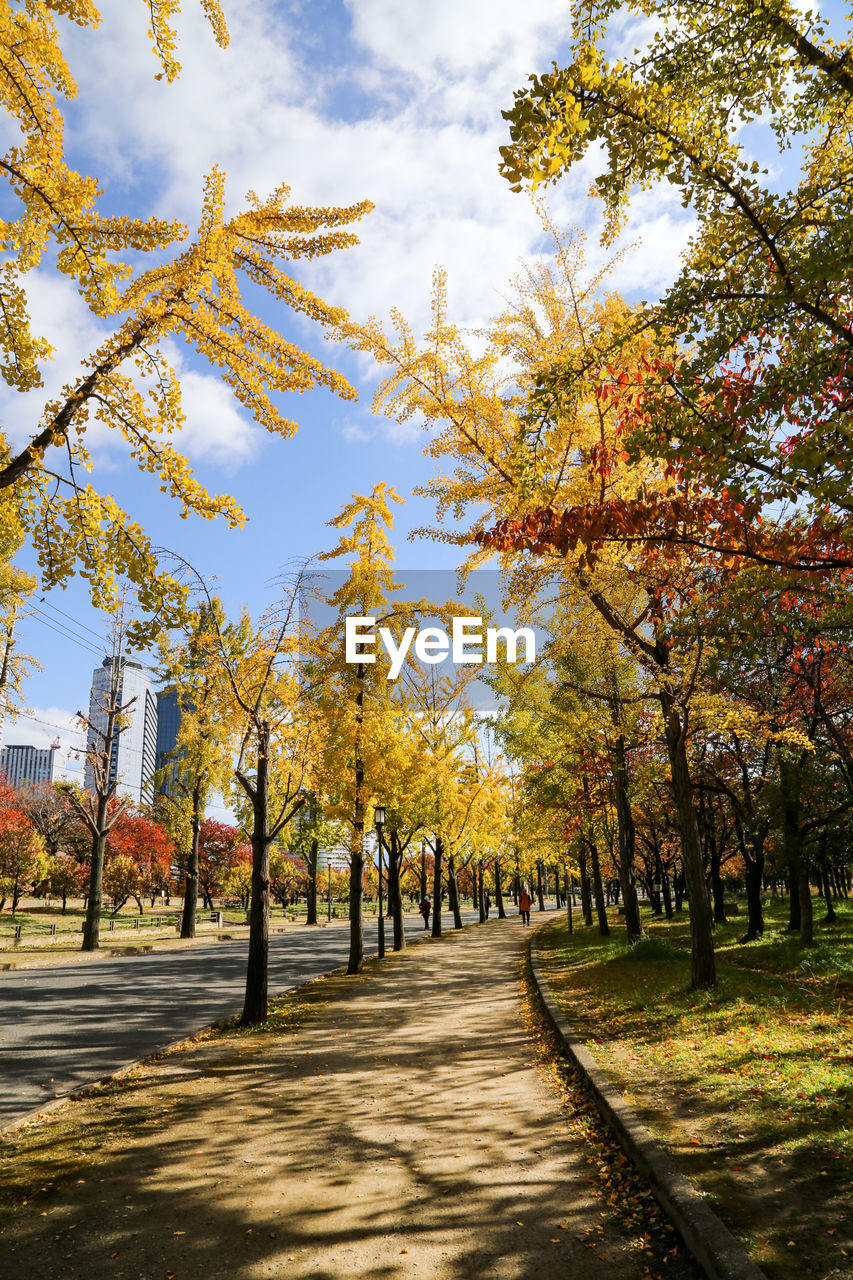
column 716, row 1250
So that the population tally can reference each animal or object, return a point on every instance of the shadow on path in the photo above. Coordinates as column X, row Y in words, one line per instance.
column 400, row 1129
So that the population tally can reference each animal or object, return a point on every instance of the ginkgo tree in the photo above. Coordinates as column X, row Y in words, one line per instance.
column 271, row 734
column 757, row 412
column 200, row 764
column 193, row 293
column 512, row 478
column 363, row 746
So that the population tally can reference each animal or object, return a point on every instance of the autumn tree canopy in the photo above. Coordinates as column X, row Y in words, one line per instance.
column 193, row 291
column 759, row 407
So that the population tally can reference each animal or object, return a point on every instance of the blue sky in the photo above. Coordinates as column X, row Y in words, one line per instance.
column 344, row 100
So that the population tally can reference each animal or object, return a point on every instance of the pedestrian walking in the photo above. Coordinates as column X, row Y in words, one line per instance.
column 487, row 902
column 425, row 908
column 525, row 902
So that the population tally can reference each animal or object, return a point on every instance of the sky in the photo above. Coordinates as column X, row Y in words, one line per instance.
column 344, row 100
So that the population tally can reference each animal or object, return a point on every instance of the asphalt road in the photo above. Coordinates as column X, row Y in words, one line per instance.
column 67, row 1026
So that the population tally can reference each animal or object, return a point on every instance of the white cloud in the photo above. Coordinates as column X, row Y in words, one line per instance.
column 215, row 429
column 420, row 140
column 460, row 37
column 41, row 727
column 416, row 131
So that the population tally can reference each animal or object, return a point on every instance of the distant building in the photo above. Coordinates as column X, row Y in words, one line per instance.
column 134, row 752
column 28, row 766
column 168, row 724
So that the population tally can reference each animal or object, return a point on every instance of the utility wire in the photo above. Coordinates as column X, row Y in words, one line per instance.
column 66, row 635
column 62, row 728
column 76, row 621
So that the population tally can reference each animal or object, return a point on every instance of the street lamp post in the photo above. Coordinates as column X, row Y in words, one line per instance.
column 379, row 821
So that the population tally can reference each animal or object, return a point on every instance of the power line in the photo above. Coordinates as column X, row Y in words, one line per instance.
column 76, row 621
column 63, row 728
column 65, row 634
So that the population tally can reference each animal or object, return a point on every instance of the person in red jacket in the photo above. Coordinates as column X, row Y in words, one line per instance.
column 525, row 902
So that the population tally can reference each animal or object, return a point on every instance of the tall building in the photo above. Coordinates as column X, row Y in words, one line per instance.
column 28, row 766
column 168, row 723
column 134, row 752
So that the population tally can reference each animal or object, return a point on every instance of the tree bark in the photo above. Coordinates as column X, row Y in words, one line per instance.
column 92, row 926
column 827, row 893
column 627, row 839
column 569, row 901
column 311, row 896
column 789, row 777
column 481, row 901
column 754, row 874
column 539, row 893
column 665, row 891
column 586, row 898
column 703, row 968
column 717, row 888
column 191, row 879
column 436, row 887
column 598, row 889
column 395, row 897
column 453, row 892
column 356, row 875
column 255, row 1001
column 499, row 897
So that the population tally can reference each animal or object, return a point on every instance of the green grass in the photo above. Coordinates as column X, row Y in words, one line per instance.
column 749, row 1084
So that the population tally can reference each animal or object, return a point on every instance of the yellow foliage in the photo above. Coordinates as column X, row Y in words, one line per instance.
column 194, row 294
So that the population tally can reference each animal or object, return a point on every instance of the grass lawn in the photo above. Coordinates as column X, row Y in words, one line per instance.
column 750, row 1086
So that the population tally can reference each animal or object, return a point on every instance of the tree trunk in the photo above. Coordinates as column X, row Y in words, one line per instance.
column 569, row 901
column 481, row 900
column 92, row 927
column 310, row 913
column 793, row 908
column 827, row 893
column 598, row 889
column 539, row 893
column 678, row 881
column 436, row 887
column 586, row 897
column 717, row 888
column 424, row 886
column 395, row 897
column 255, row 1002
column 499, row 897
column 754, row 874
column 703, row 968
column 664, row 888
column 789, row 777
column 453, row 892
column 191, row 879
column 356, row 874
column 626, row 833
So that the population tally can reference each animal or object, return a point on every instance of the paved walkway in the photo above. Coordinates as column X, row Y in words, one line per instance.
column 401, row 1130
column 65, row 1027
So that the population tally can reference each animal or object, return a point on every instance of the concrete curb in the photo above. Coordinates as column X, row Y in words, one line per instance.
column 713, row 1246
